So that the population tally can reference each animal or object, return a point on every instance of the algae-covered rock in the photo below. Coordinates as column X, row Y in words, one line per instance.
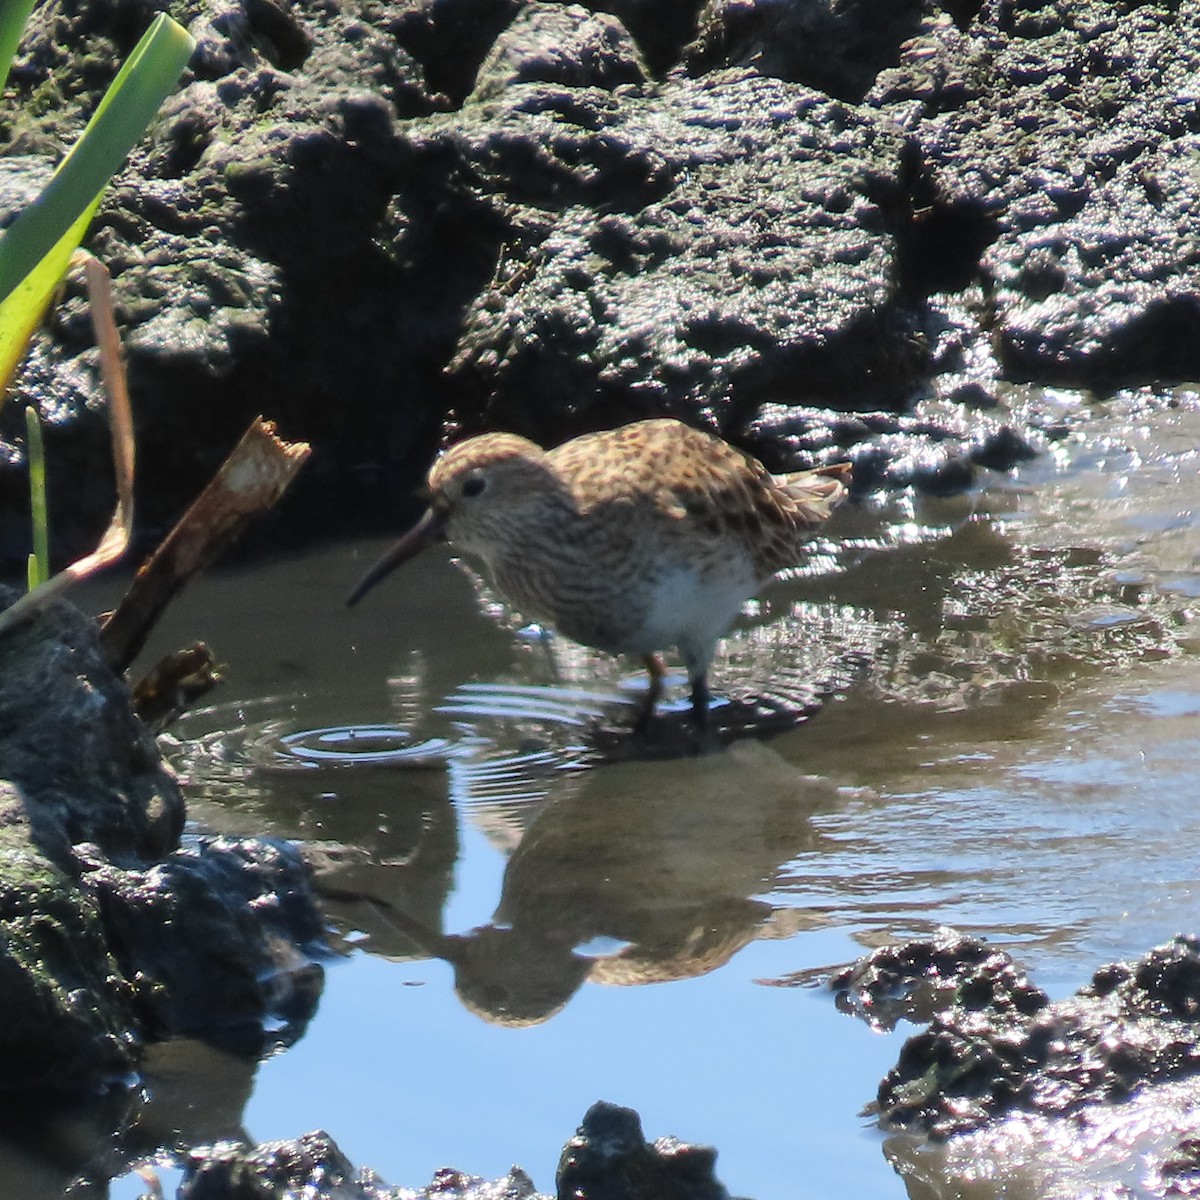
column 110, row 933
column 214, row 938
column 564, row 44
column 87, row 768
column 366, row 218
column 696, row 249
column 66, row 1018
column 837, row 46
column 1002, row 1047
column 1072, row 127
column 1097, row 1094
column 248, row 236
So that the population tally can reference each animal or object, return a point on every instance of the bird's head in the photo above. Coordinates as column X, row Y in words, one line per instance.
column 481, row 493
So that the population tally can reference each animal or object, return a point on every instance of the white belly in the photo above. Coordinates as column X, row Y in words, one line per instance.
column 691, row 613
column 686, row 607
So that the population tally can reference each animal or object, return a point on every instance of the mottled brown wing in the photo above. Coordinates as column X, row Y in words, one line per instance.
column 634, row 462
column 693, row 476
column 651, row 460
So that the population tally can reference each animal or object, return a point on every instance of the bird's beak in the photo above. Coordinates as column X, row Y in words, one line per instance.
column 424, row 533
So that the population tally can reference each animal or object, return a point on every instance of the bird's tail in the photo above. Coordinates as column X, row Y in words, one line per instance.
column 818, row 492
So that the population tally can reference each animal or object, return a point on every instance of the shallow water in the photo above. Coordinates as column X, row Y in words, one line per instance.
column 982, row 712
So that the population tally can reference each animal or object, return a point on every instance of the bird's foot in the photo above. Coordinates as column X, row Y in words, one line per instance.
column 701, row 700
column 703, row 736
column 642, row 727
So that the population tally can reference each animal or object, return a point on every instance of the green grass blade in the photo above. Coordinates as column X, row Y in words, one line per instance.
column 54, row 223
column 22, row 309
column 39, row 560
column 13, row 15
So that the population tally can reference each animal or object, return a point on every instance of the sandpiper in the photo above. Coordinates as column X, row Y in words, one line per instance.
column 630, row 541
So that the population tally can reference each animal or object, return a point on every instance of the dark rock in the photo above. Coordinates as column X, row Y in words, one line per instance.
column 358, row 216
column 934, row 470
column 609, row 1159
column 563, row 44
column 87, row 770
column 973, row 394
column 98, row 950
column 450, row 39
column 313, row 1166
column 1001, row 449
column 836, row 46
column 1166, row 983
column 935, row 449
column 997, row 1050
column 458, row 1185
column 1072, row 123
column 77, row 765
column 238, row 912
column 1181, row 1172
column 263, row 190
column 915, row 980
column 661, row 28
column 299, row 236
column 66, row 1016
column 695, row 250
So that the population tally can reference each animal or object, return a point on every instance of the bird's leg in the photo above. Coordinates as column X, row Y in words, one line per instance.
column 545, row 644
column 700, row 701
column 655, row 670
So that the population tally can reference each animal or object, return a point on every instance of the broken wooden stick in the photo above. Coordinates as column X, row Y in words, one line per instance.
column 251, row 480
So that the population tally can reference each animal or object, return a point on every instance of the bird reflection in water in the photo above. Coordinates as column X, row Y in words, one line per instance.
column 628, row 873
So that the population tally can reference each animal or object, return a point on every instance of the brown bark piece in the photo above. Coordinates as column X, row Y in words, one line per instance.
column 251, row 480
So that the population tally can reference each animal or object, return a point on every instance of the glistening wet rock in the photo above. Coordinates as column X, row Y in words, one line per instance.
column 937, row 448
column 110, row 933
column 563, row 44
column 916, row 980
column 357, row 217
column 697, row 249
column 295, row 237
column 607, row 1159
column 610, row 1159
column 241, row 916
column 250, row 241
column 996, row 1051
column 837, row 46
column 66, row 1015
column 86, row 768
column 312, row 1165
column 1070, row 127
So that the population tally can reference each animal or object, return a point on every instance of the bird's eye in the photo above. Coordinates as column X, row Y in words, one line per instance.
column 473, row 484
